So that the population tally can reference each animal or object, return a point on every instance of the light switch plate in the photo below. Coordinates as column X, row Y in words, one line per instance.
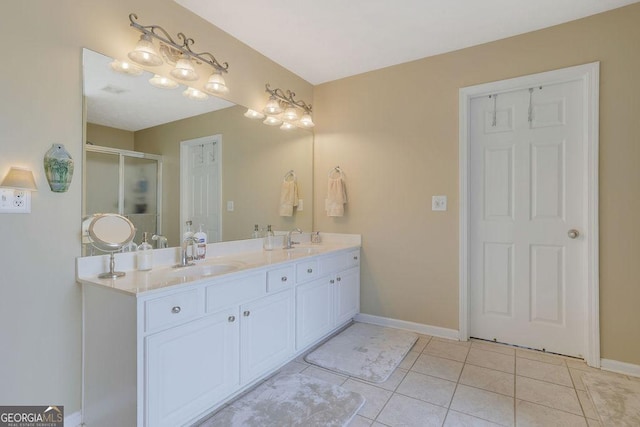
column 439, row 203
column 230, row 206
column 15, row 201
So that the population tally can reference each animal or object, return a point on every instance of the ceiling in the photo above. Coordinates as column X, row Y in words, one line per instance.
column 326, row 40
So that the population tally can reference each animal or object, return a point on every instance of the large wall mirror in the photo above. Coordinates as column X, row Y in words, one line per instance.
column 139, row 138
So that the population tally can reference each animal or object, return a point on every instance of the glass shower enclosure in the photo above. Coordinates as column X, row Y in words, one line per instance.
column 125, row 182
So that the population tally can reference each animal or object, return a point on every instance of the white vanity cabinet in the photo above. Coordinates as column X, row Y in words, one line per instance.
column 329, row 301
column 167, row 357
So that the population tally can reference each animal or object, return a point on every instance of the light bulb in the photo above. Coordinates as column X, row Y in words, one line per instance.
column 216, row 83
column 184, row 70
column 287, row 126
column 253, row 114
column 145, row 53
column 290, row 114
column 306, row 121
column 195, row 94
column 272, row 121
column 125, row 68
column 272, row 107
column 163, row 82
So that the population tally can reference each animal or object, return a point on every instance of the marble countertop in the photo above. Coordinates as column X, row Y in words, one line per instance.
column 223, row 259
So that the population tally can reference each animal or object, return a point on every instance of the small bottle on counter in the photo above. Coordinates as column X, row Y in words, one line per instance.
column 256, row 232
column 201, row 247
column 269, row 239
column 188, row 233
column 144, row 255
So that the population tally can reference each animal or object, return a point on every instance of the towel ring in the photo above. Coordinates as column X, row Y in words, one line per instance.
column 338, row 170
column 291, row 174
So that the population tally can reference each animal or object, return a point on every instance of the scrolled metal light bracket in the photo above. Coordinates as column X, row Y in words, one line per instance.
column 288, row 98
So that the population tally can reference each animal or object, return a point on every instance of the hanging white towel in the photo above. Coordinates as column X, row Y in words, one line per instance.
column 336, row 196
column 288, row 197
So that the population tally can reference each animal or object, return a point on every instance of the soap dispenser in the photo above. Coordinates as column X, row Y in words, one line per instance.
column 201, row 247
column 145, row 254
column 256, row 232
column 269, row 238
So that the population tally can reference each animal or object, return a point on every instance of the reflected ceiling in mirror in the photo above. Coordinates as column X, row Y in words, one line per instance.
column 130, row 102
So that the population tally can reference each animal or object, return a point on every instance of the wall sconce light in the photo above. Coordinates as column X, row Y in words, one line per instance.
column 15, row 191
column 178, row 54
column 282, row 109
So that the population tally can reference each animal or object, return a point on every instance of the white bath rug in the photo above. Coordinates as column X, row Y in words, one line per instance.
column 617, row 400
column 294, row 400
column 365, row 351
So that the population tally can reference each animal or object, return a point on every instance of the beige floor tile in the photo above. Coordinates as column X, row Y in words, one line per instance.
column 375, row 397
column 323, row 374
column 548, row 394
column 359, row 421
column 448, row 350
column 593, row 423
column 492, row 360
column 405, row 411
column 458, row 419
column 557, row 374
column 488, row 379
column 531, row 415
column 576, row 377
column 456, row 342
column 576, row 363
column 392, row 382
column 422, row 342
column 483, row 404
column 430, row 389
column 587, row 405
column 293, row 368
column 540, row 356
column 408, row 360
column 489, row 346
column 438, row 367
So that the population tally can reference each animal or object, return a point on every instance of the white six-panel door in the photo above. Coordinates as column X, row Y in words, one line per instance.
column 527, row 248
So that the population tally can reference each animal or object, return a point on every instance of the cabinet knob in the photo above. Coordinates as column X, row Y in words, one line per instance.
column 355, row 257
column 176, row 309
column 338, row 278
column 232, row 319
column 309, row 270
column 332, row 281
column 283, row 278
column 246, row 313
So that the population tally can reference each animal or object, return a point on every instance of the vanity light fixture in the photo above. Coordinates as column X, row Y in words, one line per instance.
column 163, row 82
column 175, row 53
column 126, row 68
column 283, row 109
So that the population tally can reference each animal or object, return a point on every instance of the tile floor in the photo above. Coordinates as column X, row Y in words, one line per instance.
column 449, row 383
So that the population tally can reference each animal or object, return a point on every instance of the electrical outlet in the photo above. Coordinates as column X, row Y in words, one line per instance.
column 15, row 201
column 439, row 203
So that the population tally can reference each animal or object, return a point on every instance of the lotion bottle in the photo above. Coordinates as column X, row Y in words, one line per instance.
column 201, row 248
column 269, row 238
column 145, row 254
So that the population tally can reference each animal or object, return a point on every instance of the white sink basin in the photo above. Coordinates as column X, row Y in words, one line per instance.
column 302, row 250
column 204, row 270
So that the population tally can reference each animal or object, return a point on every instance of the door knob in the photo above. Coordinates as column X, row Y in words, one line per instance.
column 573, row 233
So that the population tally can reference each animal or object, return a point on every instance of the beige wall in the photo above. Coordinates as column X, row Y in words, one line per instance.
column 40, row 305
column 255, row 159
column 106, row 136
column 395, row 133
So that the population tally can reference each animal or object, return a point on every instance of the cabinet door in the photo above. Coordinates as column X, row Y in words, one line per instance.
column 189, row 368
column 266, row 334
column 314, row 311
column 347, row 291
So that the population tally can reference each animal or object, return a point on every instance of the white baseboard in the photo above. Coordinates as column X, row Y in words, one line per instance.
column 620, row 367
column 420, row 328
column 73, row 420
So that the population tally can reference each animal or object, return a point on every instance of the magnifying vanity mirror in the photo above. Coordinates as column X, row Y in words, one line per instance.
column 160, row 159
column 110, row 233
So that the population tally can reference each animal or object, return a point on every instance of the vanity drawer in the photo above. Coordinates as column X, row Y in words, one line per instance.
column 306, row 270
column 340, row 262
column 279, row 279
column 233, row 292
column 172, row 310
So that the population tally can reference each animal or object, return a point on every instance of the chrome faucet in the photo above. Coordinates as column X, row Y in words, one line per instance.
column 185, row 260
column 288, row 244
